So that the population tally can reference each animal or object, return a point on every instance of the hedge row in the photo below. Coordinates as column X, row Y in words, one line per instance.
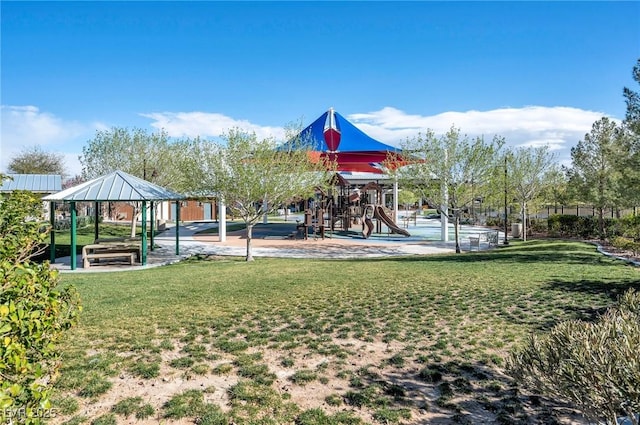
column 589, row 228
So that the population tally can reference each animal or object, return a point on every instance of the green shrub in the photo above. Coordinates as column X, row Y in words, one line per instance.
column 630, row 227
column 585, row 227
column 594, row 366
column 34, row 313
column 626, row 244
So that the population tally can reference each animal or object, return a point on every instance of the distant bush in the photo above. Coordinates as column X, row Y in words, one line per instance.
column 585, row 227
column 630, row 227
column 537, row 225
column 593, row 366
column 65, row 223
column 626, row 244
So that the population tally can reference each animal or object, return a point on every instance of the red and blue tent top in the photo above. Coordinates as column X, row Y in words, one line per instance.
column 332, row 136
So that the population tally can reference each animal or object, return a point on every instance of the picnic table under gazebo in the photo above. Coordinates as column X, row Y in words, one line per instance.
column 117, row 186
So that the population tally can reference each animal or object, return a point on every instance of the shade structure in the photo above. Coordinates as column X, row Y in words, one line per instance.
column 333, row 137
column 117, row 186
column 36, row 183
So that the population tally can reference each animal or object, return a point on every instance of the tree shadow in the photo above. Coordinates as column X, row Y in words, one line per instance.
column 597, row 288
column 466, row 392
column 535, row 251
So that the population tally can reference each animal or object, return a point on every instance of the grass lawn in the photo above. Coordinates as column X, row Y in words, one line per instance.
column 276, row 341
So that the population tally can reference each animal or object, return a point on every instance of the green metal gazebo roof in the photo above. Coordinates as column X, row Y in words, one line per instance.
column 37, row 183
column 116, row 186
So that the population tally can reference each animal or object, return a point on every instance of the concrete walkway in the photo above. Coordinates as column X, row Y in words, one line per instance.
column 328, row 248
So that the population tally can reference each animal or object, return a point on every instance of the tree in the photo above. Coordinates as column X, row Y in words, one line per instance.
column 450, row 172
column 407, row 198
column 34, row 312
column 595, row 171
column 35, row 160
column 593, row 366
column 633, row 103
column 249, row 174
column 556, row 192
column 153, row 157
column 528, row 176
column 630, row 165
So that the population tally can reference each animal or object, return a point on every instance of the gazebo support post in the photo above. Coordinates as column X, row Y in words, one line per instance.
column 143, row 256
column 153, row 219
column 52, row 233
column 178, row 227
column 96, row 220
column 222, row 221
column 74, row 260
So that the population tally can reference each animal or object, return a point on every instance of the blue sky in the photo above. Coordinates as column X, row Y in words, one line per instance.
column 534, row 72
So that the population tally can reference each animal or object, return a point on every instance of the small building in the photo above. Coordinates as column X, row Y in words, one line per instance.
column 40, row 184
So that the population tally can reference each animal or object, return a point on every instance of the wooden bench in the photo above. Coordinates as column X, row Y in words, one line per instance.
column 103, row 251
column 129, row 256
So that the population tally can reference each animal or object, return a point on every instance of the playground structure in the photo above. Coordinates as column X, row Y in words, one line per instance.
column 347, row 208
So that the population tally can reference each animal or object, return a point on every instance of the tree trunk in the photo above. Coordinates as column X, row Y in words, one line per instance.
column 601, row 222
column 524, row 221
column 456, row 230
column 136, row 211
column 249, row 235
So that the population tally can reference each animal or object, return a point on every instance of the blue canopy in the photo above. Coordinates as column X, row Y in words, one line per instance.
column 335, row 138
column 322, row 134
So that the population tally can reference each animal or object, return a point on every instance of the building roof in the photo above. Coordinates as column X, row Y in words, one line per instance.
column 116, row 186
column 37, row 183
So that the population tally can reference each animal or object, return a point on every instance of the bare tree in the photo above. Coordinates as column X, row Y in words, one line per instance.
column 35, row 160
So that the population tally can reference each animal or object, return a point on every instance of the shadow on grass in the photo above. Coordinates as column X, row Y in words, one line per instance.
column 460, row 393
column 522, row 252
column 609, row 290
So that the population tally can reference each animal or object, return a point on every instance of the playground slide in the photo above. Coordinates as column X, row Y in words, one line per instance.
column 367, row 224
column 367, row 227
column 381, row 215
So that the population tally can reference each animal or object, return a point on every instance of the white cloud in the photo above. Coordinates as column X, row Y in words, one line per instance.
column 27, row 126
column 558, row 127
column 205, row 124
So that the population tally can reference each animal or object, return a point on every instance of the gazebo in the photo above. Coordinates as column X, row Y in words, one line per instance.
column 117, row 186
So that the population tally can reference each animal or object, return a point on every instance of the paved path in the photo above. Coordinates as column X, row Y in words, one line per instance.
column 164, row 253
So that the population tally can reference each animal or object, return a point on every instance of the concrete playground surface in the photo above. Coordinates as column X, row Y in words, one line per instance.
column 275, row 240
